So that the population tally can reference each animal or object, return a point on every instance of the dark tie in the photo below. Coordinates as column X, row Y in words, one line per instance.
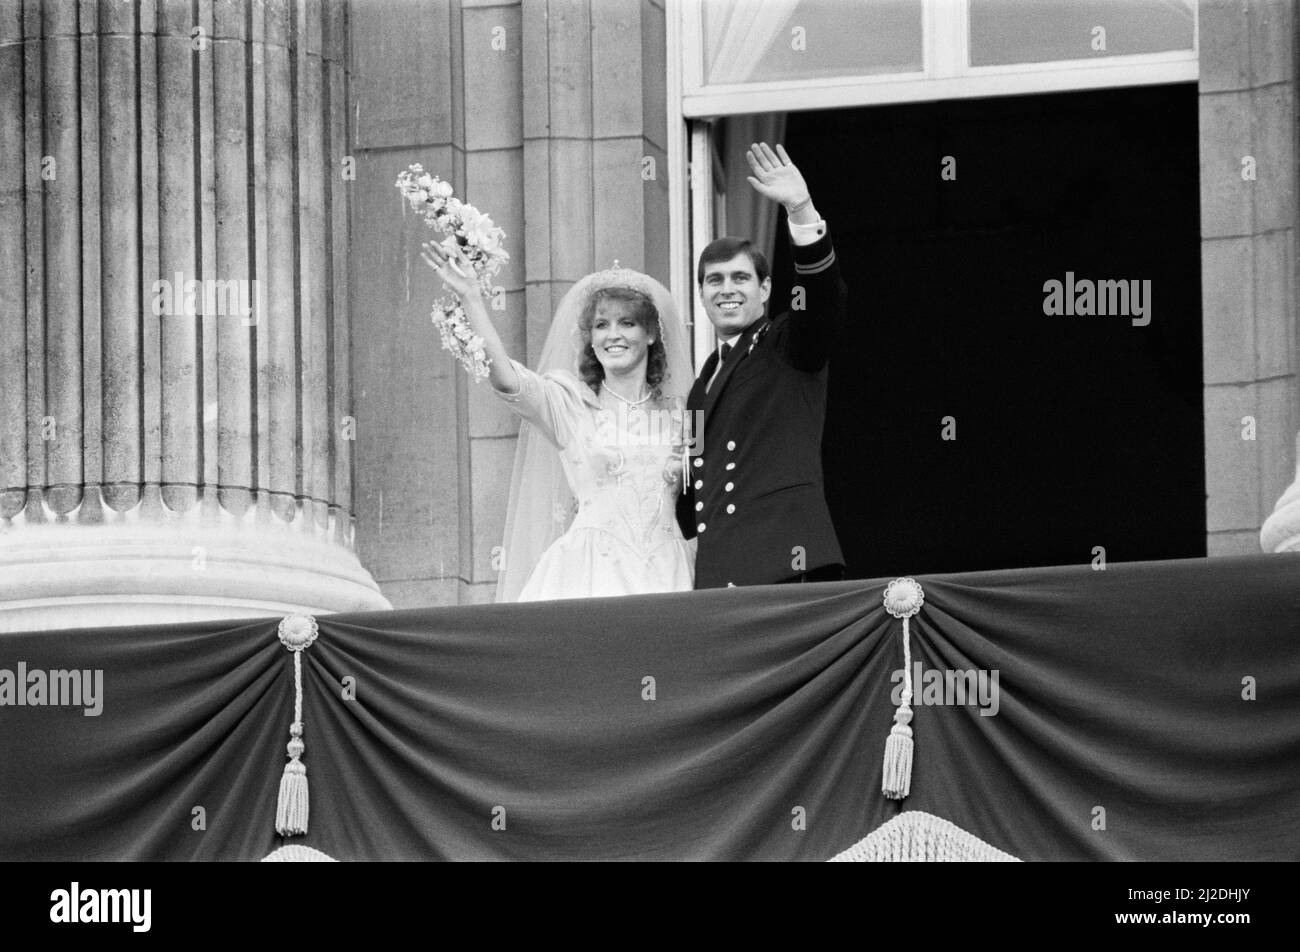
column 723, row 351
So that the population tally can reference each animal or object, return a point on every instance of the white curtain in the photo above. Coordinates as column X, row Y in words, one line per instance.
column 749, row 215
column 740, row 31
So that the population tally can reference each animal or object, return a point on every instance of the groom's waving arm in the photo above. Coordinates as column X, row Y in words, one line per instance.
column 819, row 297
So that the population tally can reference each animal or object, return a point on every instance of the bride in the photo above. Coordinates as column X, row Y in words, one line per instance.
column 599, row 463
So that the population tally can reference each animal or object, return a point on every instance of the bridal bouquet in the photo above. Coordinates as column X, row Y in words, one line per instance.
column 471, row 232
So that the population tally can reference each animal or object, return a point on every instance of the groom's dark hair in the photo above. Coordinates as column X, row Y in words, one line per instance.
column 724, row 249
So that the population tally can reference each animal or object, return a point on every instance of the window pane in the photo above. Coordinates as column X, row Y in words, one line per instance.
column 747, row 41
column 1036, row 31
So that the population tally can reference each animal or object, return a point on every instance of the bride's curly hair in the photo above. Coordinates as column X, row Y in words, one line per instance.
column 642, row 310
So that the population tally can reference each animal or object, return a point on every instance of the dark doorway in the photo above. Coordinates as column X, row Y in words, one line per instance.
column 1071, row 431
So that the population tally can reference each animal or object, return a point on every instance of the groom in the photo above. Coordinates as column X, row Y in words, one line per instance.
column 755, row 499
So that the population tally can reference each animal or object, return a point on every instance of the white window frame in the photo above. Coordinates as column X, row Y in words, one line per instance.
column 946, row 74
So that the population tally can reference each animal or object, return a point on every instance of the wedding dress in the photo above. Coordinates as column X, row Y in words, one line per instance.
column 592, row 508
column 623, row 538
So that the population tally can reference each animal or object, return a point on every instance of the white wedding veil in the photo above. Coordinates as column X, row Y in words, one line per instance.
column 541, row 503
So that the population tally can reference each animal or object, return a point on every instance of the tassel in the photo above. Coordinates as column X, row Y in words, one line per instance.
column 297, row 632
column 292, row 807
column 903, row 599
column 897, row 781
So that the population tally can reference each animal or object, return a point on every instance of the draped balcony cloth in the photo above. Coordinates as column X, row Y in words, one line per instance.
column 1119, row 689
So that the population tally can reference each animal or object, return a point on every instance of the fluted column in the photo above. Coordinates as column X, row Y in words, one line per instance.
column 174, row 466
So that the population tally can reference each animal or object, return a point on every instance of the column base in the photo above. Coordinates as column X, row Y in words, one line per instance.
column 95, row 567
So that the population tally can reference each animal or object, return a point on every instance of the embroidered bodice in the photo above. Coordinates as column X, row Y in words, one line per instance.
column 623, row 465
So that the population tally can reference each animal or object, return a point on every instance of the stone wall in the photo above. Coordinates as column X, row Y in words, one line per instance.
column 1248, row 262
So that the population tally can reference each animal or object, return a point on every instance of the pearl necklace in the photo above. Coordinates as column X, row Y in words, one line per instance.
column 630, row 403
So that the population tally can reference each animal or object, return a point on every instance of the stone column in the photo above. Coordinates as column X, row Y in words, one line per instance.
column 194, row 463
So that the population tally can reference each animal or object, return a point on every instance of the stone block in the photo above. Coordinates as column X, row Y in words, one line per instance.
column 113, row 16
column 228, row 19
column 407, row 501
column 334, row 30
column 456, row 81
column 568, row 27
column 1272, row 39
column 616, row 70
column 1273, row 109
column 62, row 19
column 537, row 209
column 572, row 210
column 493, row 77
column 1231, row 463
column 1228, row 310
column 537, row 320
column 1225, row 137
column 619, row 220
column 476, row 593
column 654, row 74
column 1238, row 542
column 11, row 24
column 403, row 39
column 536, row 69
column 492, row 465
column 277, row 22
column 307, row 27
column 1225, row 41
column 656, row 216
column 421, row 593
column 1276, row 424
column 1275, row 302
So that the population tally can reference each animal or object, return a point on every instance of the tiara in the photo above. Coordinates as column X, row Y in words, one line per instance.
column 620, row 277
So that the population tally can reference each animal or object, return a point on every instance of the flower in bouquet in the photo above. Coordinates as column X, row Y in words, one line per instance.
column 470, row 232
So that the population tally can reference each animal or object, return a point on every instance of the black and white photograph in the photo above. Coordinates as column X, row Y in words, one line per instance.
column 650, row 431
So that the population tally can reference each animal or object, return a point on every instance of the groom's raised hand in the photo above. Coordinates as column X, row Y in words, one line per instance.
column 778, row 178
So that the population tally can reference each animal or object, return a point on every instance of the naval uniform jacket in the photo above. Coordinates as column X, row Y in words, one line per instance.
column 755, row 499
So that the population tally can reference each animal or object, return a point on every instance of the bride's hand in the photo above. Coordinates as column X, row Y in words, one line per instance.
column 455, row 271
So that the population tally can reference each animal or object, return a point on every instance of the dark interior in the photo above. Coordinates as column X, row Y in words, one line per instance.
column 1072, row 431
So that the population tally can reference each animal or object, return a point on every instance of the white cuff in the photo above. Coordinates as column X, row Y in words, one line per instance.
column 807, row 234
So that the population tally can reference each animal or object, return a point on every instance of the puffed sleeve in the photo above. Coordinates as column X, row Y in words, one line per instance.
column 550, row 402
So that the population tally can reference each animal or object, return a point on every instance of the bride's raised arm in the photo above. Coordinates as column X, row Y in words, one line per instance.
column 457, row 274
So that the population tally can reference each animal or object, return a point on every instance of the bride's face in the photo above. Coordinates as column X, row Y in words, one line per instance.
column 620, row 341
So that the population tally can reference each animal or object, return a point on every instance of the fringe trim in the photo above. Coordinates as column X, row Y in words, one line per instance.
column 917, row 837
column 297, row 853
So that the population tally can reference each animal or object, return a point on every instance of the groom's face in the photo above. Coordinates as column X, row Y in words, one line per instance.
column 732, row 294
